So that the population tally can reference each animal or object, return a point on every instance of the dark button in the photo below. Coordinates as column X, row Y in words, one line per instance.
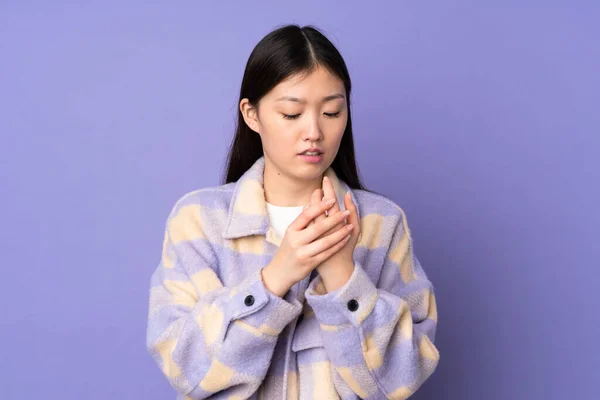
column 353, row 305
column 249, row 300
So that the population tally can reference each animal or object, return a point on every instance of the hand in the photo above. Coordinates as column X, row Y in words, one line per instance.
column 303, row 247
column 337, row 269
column 318, row 197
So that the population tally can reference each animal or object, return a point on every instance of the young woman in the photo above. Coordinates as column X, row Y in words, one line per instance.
column 291, row 281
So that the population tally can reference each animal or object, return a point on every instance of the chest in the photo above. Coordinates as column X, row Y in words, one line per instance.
column 300, row 366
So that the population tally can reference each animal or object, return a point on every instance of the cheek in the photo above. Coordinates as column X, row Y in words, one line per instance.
column 273, row 124
column 336, row 130
column 276, row 134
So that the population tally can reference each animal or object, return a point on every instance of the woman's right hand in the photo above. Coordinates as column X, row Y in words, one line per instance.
column 302, row 248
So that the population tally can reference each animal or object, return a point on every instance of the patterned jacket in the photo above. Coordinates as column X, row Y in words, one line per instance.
column 216, row 332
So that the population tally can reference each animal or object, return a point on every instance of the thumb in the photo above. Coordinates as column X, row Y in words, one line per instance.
column 353, row 217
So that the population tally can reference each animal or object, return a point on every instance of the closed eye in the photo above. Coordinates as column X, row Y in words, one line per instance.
column 328, row 115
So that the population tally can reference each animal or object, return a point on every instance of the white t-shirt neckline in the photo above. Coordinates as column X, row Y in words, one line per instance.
column 281, row 217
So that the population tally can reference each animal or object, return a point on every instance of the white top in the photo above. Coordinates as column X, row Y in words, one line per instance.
column 281, row 217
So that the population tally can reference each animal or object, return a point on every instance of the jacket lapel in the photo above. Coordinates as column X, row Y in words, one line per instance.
column 248, row 210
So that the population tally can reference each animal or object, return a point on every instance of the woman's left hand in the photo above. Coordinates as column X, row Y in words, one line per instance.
column 337, row 269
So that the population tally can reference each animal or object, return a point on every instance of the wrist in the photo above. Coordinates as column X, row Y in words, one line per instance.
column 275, row 281
column 336, row 276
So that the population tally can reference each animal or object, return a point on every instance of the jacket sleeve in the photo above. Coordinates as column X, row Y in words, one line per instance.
column 380, row 338
column 206, row 337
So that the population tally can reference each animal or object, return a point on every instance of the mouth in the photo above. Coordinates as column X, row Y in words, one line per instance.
column 312, row 156
column 312, row 152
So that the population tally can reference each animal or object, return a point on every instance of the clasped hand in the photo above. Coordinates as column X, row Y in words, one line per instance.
column 321, row 237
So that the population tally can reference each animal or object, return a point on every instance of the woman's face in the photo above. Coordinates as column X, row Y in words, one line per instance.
column 301, row 113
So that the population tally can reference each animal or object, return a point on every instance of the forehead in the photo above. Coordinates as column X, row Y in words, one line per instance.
column 317, row 84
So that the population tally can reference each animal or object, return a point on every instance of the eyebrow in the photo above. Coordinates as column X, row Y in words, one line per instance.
column 301, row 101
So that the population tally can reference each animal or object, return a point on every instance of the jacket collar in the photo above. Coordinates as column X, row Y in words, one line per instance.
column 248, row 210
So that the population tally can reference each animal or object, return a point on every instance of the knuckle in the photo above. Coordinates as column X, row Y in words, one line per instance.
column 297, row 259
column 331, row 222
column 300, row 255
column 322, row 226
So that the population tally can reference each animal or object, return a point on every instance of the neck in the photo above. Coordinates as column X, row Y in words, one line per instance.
column 286, row 191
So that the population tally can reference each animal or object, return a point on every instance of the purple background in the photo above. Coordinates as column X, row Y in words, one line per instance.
column 480, row 120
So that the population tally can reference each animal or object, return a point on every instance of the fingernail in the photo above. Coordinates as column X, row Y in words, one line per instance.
column 330, row 201
column 349, row 227
column 346, row 213
column 347, row 237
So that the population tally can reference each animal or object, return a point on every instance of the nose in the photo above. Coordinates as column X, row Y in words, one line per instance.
column 312, row 131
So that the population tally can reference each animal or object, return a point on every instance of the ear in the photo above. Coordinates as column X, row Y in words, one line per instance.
column 250, row 114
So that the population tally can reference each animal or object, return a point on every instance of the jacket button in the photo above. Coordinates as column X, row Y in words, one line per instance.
column 353, row 305
column 249, row 300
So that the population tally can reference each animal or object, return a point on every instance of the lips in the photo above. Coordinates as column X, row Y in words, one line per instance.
column 312, row 156
column 312, row 152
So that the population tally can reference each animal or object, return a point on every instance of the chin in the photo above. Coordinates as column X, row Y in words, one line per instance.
column 301, row 170
column 309, row 177
column 311, row 172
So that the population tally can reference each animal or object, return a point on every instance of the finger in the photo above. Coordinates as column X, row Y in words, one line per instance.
column 329, row 193
column 324, row 216
column 332, row 223
column 318, row 194
column 353, row 217
column 310, row 213
column 315, row 199
column 324, row 255
column 326, row 242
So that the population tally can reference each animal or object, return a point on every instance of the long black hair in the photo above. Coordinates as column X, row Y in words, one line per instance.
column 286, row 51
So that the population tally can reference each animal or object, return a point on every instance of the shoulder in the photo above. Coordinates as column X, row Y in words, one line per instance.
column 370, row 203
column 382, row 220
column 213, row 197
column 202, row 211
